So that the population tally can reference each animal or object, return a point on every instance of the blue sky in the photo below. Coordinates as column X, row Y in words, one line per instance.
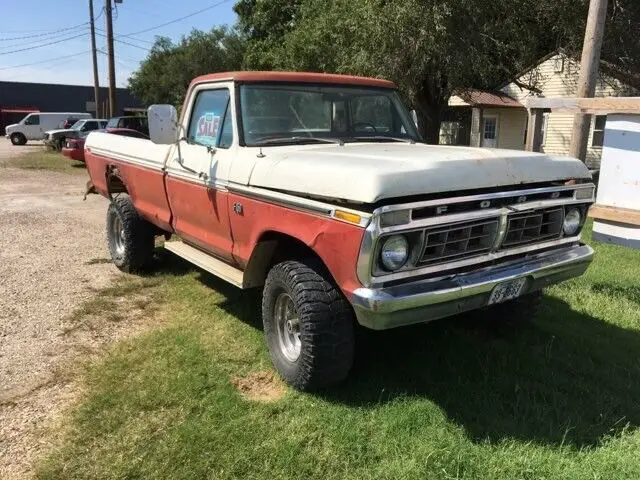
column 37, row 20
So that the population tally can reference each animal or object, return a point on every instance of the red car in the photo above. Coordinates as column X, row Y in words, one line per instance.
column 74, row 147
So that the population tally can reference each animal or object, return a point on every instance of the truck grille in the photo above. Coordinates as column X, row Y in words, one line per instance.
column 458, row 241
column 533, row 226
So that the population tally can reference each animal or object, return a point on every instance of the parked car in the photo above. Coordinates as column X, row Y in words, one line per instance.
column 33, row 126
column 56, row 138
column 138, row 123
column 74, row 147
column 68, row 122
column 338, row 211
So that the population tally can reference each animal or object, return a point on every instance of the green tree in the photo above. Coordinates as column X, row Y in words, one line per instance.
column 430, row 48
column 164, row 76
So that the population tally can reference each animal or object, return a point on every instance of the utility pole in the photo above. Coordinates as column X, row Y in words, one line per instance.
column 96, row 81
column 112, row 67
column 589, row 64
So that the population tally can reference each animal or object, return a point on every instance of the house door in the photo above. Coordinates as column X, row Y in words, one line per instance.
column 490, row 131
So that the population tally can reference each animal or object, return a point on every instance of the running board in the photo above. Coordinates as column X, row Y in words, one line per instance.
column 207, row 262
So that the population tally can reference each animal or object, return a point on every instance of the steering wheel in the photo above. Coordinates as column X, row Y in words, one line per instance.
column 366, row 124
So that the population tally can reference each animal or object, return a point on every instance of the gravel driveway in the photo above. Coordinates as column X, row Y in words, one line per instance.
column 52, row 253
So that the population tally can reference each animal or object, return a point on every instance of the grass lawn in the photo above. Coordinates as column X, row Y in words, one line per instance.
column 46, row 160
column 556, row 399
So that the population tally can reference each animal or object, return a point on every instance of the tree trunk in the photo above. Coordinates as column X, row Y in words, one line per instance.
column 428, row 118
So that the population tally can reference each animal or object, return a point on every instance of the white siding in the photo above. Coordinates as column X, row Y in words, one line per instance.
column 512, row 122
column 564, row 84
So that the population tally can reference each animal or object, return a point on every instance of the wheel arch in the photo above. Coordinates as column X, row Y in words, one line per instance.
column 274, row 247
column 114, row 181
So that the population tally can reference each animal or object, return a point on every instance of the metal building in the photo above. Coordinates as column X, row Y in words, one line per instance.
column 17, row 99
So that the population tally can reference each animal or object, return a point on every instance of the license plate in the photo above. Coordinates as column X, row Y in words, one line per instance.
column 507, row 291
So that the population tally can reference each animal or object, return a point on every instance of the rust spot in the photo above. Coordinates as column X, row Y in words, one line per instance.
column 261, row 386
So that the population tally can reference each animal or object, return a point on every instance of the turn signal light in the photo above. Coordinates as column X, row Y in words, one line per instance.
column 348, row 217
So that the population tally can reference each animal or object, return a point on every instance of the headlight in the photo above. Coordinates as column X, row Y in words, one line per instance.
column 394, row 252
column 572, row 220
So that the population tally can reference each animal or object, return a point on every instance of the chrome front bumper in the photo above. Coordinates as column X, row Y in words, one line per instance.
column 426, row 300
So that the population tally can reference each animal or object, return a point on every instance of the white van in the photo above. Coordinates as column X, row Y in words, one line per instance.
column 33, row 126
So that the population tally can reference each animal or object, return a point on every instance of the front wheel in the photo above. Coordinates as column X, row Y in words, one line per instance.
column 130, row 237
column 308, row 325
column 18, row 139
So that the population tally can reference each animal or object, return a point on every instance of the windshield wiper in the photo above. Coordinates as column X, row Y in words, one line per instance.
column 383, row 137
column 298, row 139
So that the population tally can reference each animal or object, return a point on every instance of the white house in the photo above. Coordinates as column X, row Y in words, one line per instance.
column 498, row 119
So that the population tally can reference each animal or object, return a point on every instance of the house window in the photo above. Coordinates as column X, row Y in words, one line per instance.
column 558, row 64
column 598, row 131
column 490, row 127
column 544, row 128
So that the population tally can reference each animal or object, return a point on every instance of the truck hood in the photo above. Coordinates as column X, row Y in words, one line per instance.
column 369, row 172
column 10, row 128
column 59, row 131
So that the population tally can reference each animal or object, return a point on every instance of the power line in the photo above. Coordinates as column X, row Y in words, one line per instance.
column 217, row 4
column 52, row 38
column 46, row 33
column 146, row 49
column 43, row 45
column 129, row 37
column 45, row 61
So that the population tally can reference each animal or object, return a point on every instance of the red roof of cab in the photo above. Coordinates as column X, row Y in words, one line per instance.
column 305, row 77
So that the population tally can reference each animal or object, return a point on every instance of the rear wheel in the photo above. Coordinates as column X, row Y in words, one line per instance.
column 18, row 139
column 130, row 237
column 308, row 325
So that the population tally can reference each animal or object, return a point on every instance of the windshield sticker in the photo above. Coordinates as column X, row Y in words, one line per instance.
column 208, row 125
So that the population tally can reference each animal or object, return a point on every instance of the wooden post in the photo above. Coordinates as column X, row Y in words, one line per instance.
column 96, row 81
column 112, row 68
column 534, row 130
column 476, row 127
column 589, row 64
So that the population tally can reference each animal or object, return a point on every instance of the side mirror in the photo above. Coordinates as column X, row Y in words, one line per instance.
column 414, row 117
column 163, row 124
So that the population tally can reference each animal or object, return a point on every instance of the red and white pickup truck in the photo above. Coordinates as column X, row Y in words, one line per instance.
column 318, row 189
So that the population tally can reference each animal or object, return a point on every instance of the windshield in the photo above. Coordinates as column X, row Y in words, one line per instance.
column 78, row 125
column 302, row 113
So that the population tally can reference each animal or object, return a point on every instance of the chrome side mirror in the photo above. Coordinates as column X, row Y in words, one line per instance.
column 163, row 124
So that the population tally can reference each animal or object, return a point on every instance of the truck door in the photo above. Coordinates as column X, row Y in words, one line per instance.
column 32, row 128
column 196, row 186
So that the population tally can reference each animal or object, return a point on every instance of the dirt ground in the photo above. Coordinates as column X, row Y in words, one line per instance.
column 52, row 255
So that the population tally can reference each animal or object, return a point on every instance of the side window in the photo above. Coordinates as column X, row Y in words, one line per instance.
column 32, row 120
column 372, row 114
column 226, row 136
column 209, row 112
column 88, row 126
column 598, row 130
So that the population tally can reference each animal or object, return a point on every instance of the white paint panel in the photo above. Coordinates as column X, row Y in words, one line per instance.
column 370, row 172
column 620, row 178
column 620, row 168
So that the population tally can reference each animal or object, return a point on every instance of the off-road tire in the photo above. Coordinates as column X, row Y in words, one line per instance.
column 513, row 313
column 18, row 139
column 326, row 326
column 137, row 241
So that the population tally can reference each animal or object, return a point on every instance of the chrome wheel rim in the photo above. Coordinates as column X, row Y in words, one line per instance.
column 118, row 234
column 288, row 326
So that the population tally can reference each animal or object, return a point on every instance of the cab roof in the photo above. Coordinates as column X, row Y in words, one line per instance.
column 293, row 77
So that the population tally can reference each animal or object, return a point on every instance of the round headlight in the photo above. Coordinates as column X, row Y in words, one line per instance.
column 394, row 252
column 572, row 221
